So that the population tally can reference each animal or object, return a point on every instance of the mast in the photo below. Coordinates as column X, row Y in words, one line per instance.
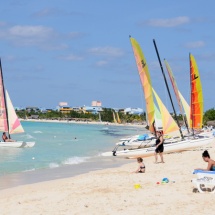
column 167, row 87
column 5, row 103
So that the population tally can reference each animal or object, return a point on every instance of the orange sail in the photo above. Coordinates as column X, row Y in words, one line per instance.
column 145, row 81
column 196, row 106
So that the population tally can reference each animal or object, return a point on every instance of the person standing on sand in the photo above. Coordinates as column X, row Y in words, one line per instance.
column 159, row 147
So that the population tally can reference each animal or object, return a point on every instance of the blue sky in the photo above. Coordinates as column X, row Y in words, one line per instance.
column 79, row 51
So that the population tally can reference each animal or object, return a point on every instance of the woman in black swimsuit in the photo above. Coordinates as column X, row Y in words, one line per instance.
column 141, row 167
column 5, row 138
column 159, row 147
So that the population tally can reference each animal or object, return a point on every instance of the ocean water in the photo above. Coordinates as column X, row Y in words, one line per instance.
column 61, row 144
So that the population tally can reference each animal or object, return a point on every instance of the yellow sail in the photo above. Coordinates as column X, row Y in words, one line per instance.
column 169, row 124
column 145, row 81
column 117, row 117
column 114, row 118
column 186, row 108
column 196, row 106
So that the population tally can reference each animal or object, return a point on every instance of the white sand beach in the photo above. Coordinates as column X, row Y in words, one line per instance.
column 111, row 191
column 143, row 124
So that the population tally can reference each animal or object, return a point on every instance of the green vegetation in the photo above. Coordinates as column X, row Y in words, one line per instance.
column 106, row 116
column 209, row 115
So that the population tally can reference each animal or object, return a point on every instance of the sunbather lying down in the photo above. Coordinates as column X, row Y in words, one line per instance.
column 211, row 163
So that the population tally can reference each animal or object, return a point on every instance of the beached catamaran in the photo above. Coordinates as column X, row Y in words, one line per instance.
column 153, row 114
column 196, row 116
column 9, row 121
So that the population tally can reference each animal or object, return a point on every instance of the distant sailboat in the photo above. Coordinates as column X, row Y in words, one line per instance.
column 117, row 118
column 114, row 118
column 9, row 121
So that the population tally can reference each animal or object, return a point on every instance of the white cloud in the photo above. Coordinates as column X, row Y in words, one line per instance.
column 101, row 63
column 168, row 23
column 72, row 57
column 28, row 35
column 2, row 23
column 75, row 35
column 42, row 37
column 34, row 32
column 197, row 44
column 47, row 12
column 107, row 51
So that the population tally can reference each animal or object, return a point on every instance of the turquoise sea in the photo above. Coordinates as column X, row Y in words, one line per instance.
column 59, row 145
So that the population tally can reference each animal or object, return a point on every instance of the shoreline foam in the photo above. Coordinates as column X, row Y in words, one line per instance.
column 111, row 190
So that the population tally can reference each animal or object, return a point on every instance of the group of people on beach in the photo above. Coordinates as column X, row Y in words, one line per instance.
column 159, row 150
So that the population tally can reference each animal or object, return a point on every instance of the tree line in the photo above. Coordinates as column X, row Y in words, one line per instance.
column 106, row 115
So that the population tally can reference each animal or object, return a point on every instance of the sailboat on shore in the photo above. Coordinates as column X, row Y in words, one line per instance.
column 9, row 121
column 153, row 114
column 196, row 115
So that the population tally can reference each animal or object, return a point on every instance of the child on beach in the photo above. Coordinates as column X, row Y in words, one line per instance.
column 141, row 167
column 211, row 163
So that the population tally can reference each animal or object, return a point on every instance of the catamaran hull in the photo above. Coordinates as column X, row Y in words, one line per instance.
column 171, row 147
column 17, row 144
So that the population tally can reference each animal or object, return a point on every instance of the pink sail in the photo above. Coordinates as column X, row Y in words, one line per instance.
column 14, row 123
column 9, row 121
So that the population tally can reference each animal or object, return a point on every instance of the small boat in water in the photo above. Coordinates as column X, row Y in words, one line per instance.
column 9, row 121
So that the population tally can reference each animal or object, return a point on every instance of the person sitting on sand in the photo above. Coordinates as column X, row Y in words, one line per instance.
column 211, row 163
column 141, row 166
column 5, row 138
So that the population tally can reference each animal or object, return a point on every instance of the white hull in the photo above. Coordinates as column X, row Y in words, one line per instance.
column 136, row 141
column 17, row 144
column 171, row 147
column 150, row 141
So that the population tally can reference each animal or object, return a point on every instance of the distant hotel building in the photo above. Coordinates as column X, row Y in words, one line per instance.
column 96, row 104
column 64, row 108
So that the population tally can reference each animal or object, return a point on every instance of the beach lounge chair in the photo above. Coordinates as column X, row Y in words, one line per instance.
column 205, row 181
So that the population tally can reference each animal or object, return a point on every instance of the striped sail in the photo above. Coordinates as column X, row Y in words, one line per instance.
column 196, row 101
column 169, row 124
column 145, row 81
column 174, row 85
column 14, row 123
